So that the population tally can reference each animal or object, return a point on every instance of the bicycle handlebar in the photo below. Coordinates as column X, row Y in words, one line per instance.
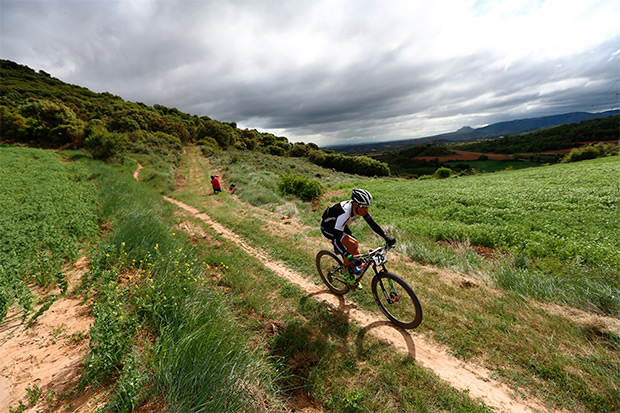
column 386, row 247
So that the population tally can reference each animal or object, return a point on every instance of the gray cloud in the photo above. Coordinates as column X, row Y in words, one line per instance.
column 325, row 71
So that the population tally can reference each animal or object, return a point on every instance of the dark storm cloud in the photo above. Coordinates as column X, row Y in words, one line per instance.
column 329, row 71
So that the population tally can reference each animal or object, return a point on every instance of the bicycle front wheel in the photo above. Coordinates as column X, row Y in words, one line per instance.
column 332, row 272
column 397, row 300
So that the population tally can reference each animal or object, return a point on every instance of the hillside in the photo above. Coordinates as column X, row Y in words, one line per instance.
column 598, row 136
column 40, row 110
column 193, row 301
column 493, row 131
column 604, row 129
column 236, row 294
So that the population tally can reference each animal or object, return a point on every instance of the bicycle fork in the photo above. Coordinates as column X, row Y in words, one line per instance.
column 392, row 297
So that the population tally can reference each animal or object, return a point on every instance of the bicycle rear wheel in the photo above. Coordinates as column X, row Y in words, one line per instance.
column 397, row 300
column 332, row 272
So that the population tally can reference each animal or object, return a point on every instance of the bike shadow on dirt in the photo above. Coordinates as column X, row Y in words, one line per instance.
column 407, row 339
column 382, row 329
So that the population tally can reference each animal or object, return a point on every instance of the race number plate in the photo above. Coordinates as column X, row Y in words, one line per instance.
column 380, row 258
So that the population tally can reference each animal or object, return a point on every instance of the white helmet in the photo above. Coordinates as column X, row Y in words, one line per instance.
column 361, row 197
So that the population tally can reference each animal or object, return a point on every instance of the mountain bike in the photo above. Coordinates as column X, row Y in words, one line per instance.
column 392, row 294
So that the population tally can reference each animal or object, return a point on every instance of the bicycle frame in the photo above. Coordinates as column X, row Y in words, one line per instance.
column 392, row 294
column 368, row 259
column 391, row 297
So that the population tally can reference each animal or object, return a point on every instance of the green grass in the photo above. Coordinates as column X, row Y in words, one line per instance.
column 503, row 329
column 257, row 175
column 156, row 320
column 147, row 276
column 47, row 211
column 566, row 211
column 166, row 331
column 559, row 221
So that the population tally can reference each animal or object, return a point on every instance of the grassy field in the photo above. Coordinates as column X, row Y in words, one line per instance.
column 559, row 223
column 568, row 211
column 154, row 315
column 194, row 322
column 497, row 318
column 494, row 166
column 555, row 228
column 48, row 211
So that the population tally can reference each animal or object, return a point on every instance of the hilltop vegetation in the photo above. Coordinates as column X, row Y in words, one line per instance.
column 552, row 139
column 37, row 109
column 588, row 139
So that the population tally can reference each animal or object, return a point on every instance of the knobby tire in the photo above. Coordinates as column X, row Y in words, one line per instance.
column 332, row 272
column 407, row 311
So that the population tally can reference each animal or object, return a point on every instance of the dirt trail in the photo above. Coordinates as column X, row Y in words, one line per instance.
column 136, row 173
column 49, row 354
column 477, row 380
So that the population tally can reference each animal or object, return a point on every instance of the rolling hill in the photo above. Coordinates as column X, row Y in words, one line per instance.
column 496, row 130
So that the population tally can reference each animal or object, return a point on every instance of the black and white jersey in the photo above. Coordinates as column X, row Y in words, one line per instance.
column 336, row 220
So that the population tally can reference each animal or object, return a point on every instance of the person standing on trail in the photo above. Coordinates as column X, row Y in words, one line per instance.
column 215, row 182
column 335, row 227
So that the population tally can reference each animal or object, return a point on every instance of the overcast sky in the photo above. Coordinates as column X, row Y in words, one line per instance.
column 330, row 71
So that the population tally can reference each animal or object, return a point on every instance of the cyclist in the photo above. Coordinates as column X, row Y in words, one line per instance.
column 335, row 226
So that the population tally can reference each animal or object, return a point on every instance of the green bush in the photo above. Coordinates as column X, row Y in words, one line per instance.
column 223, row 134
column 300, row 186
column 275, row 150
column 442, row 173
column 591, row 152
column 102, row 144
column 361, row 165
column 12, row 124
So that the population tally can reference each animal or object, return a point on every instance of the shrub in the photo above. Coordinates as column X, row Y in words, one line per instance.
column 209, row 142
column 360, row 165
column 48, row 122
column 442, row 173
column 298, row 150
column 275, row 150
column 223, row 134
column 300, row 186
column 12, row 124
column 317, row 157
column 590, row 152
column 102, row 144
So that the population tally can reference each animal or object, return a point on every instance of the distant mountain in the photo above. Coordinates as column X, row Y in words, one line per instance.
column 496, row 130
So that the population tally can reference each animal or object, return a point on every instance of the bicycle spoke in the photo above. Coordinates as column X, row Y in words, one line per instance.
column 397, row 300
column 332, row 272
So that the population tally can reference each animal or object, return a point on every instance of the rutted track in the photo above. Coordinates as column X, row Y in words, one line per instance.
column 475, row 379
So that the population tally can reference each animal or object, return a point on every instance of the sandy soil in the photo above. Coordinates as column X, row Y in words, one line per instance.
column 49, row 354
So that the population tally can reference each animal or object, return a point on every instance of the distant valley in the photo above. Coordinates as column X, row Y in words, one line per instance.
column 496, row 130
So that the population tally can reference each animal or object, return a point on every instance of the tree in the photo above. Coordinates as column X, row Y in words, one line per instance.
column 223, row 134
column 50, row 123
column 103, row 144
column 298, row 150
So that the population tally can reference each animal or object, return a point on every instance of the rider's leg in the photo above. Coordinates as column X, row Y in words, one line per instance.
column 352, row 247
